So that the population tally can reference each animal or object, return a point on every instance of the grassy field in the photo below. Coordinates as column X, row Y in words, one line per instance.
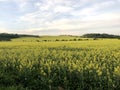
column 26, row 64
column 49, row 38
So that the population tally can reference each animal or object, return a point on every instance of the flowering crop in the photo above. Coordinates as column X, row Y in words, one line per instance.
column 79, row 65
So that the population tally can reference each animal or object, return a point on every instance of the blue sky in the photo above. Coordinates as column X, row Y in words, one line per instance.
column 56, row 17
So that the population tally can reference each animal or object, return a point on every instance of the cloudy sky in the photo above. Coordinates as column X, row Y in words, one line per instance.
column 56, row 17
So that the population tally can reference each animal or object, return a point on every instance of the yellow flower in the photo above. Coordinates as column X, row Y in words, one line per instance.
column 99, row 72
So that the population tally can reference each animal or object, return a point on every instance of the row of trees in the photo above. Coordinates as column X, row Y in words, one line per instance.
column 75, row 39
column 8, row 37
column 97, row 35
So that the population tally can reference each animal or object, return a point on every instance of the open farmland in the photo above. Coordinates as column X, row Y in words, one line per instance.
column 63, row 65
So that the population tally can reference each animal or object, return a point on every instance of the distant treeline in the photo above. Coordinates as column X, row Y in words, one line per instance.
column 96, row 35
column 8, row 37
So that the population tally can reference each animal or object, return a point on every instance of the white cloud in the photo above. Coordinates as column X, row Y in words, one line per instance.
column 3, row 0
column 67, row 15
column 22, row 4
column 49, row 8
column 106, row 21
column 93, row 9
column 102, row 17
column 62, row 9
